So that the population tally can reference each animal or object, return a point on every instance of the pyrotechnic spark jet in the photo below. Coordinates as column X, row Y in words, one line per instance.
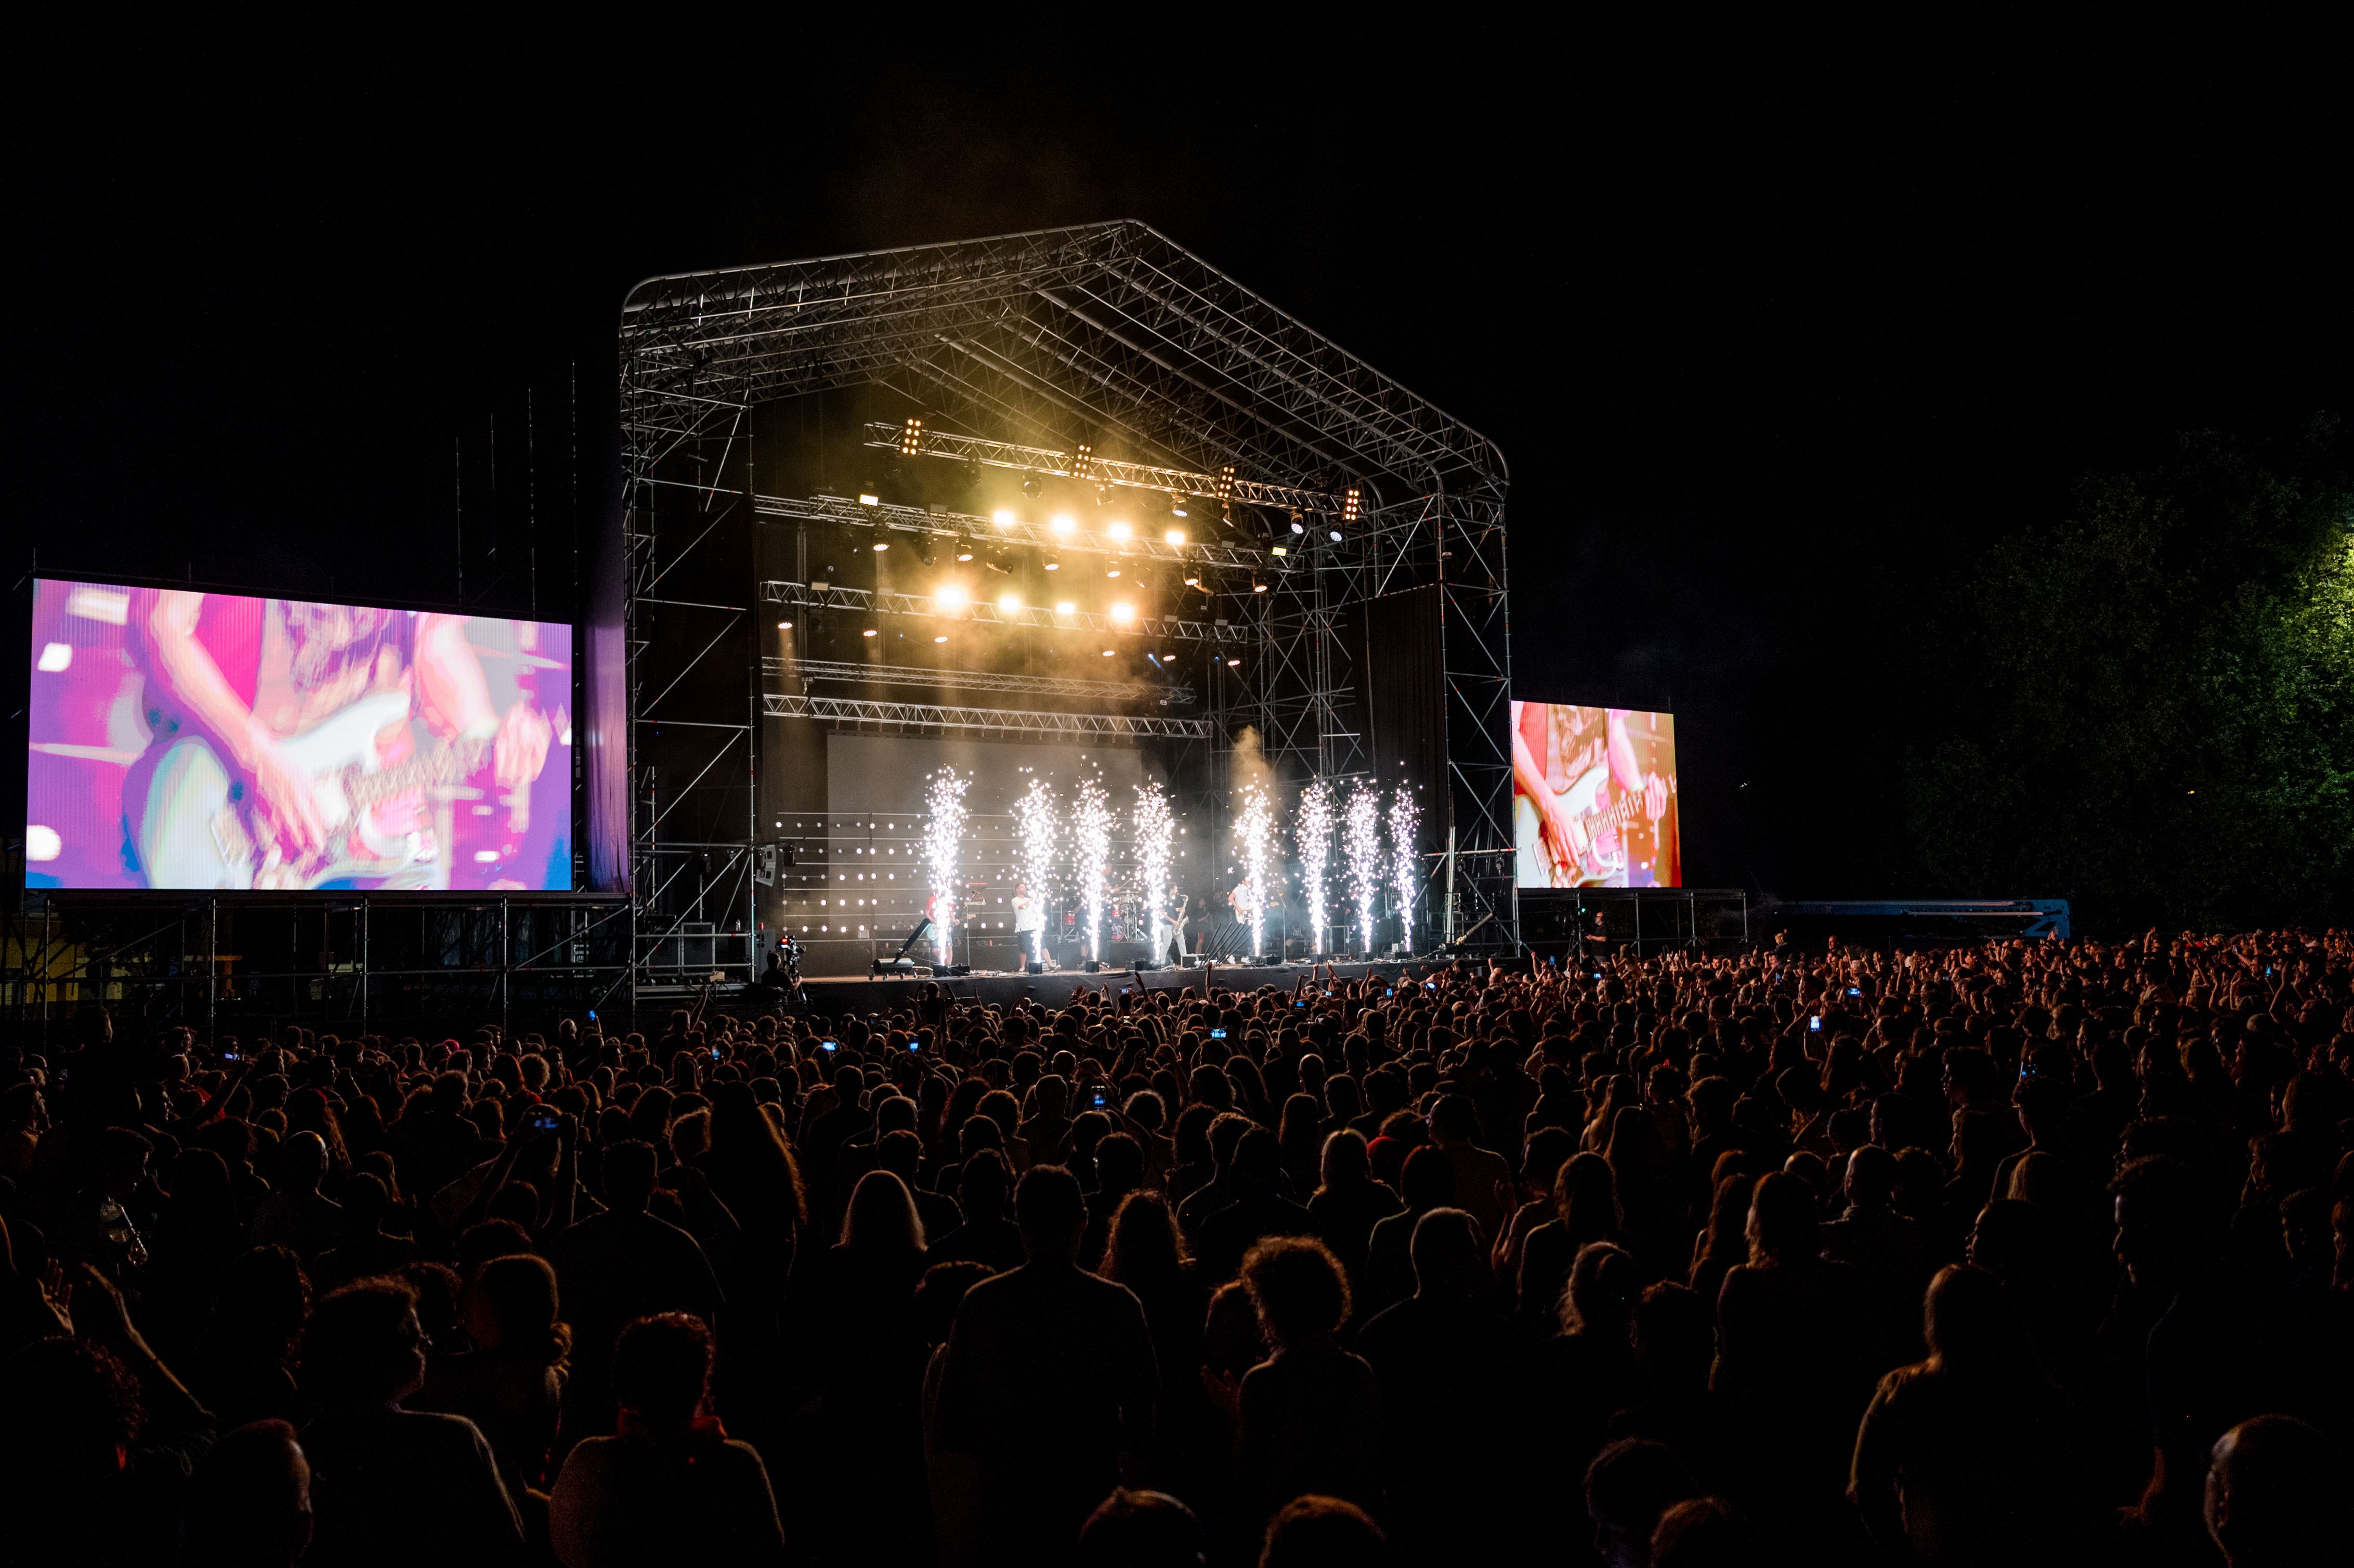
column 1156, row 833
column 1406, row 864
column 1034, row 832
column 1315, row 835
column 1255, row 836
column 1361, row 840
column 946, row 799
column 1091, row 838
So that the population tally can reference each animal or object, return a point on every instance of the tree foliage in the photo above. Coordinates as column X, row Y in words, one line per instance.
column 2153, row 701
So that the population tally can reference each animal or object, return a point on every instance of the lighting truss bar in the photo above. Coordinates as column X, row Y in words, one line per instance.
column 976, row 680
column 871, row 601
column 1009, row 721
column 1082, row 540
column 1086, row 466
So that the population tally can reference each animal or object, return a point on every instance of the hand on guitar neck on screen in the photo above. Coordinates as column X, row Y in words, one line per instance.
column 517, row 756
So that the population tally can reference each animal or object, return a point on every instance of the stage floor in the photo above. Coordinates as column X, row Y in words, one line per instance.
column 835, row 995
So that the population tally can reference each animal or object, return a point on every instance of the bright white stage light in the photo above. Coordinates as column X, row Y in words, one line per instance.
column 952, row 596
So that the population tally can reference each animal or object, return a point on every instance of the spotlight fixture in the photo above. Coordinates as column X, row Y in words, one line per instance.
column 1007, row 603
column 1192, row 582
column 1336, row 536
column 1053, row 565
column 1082, row 460
column 964, row 554
column 1113, row 572
column 911, row 439
column 1061, row 525
column 1234, row 663
column 1029, row 487
column 1002, row 518
column 1065, row 607
column 1278, row 550
column 1297, row 526
column 868, row 498
column 1176, row 506
column 952, row 596
column 1123, row 613
column 1257, row 587
column 868, row 632
column 1118, row 530
column 939, row 639
column 1225, row 489
column 880, row 547
column 784, row 626
column 1109, row 653
column 1174, row 536
column 1353, row 501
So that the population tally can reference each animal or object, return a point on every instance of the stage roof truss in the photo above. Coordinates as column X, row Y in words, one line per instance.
column 1083, row 538
column 1008, row 721
column 873, row 601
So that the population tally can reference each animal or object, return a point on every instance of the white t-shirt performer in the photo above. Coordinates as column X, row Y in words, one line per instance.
column 1030, row 923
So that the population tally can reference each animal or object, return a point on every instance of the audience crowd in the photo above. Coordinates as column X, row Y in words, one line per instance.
column 2020, row 1254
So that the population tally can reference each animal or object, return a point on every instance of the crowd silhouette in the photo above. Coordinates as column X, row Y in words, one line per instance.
column 2031, row 1253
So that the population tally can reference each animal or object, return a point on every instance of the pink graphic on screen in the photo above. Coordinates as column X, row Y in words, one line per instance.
column 182, row 739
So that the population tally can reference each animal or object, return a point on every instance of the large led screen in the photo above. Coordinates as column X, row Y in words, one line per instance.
column 1594, row 797
column 201, row 740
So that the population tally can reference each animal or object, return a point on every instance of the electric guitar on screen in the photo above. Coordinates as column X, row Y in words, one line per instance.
column 221, row 828
column 1580, row 859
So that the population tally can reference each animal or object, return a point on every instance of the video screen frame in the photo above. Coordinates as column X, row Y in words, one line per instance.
column 1595, row 797
column 168, row 727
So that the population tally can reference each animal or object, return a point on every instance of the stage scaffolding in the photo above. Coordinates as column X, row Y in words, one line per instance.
column 1036, row 352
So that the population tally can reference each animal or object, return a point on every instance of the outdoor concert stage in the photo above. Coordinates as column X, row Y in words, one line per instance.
column 838, row 994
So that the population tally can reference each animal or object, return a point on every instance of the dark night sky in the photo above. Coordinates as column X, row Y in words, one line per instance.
column 1764, row 323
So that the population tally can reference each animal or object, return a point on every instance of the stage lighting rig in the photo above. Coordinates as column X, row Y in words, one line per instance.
column 869, row 498
column 911, row 439
column 1352, row 502
column 1225, row 491
column 1082, row 460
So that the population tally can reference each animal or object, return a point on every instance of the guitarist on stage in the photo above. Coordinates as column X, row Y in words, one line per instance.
column 217, row 800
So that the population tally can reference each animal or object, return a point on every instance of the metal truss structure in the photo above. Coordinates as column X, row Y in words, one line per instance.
column 1010, row 721
column 1084, row 464
column 1077, row 539
column 869, row 602
column 1107, row 354
column 810, row 671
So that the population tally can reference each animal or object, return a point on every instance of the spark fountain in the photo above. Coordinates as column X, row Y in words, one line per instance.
column 1034, row 832
column 1406, row 864
column 1091, row 839
column 1156, row 833
column 1315, row 836
column 1361, row 840
column 1255, row 838
column 941, row 837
